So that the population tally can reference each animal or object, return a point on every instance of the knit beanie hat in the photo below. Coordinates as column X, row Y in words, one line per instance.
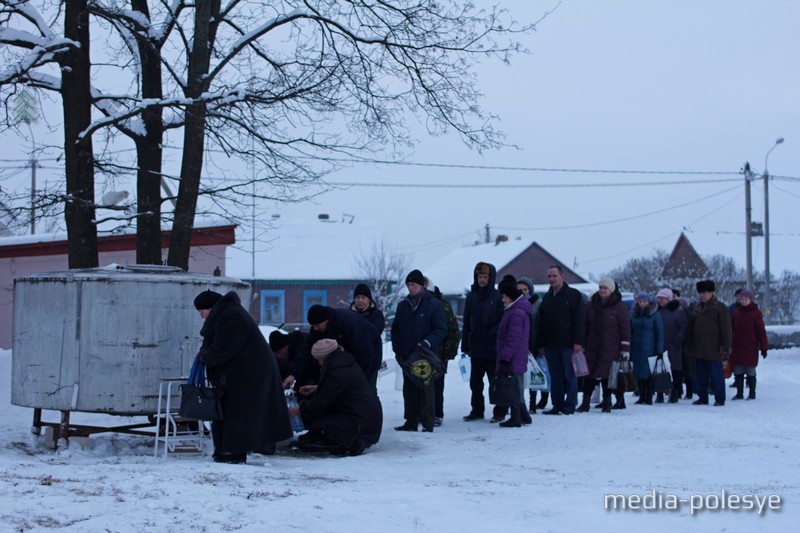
column 318, row 314
column 206, row 300
column 607, row 281
column 362, row 290
column 527, row 282
column 644, row 296
column 278, row 340
column 747, row 294
column 665, row 293
column 324, row 347
column 415, row 276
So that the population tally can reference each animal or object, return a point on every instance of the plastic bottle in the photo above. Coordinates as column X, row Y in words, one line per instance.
column 464, row 365
column 297, row 420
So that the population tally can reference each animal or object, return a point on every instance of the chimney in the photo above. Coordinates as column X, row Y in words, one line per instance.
column 500, row 238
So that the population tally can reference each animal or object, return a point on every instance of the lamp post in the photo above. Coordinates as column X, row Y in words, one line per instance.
column 767, row 310
column 748, row 225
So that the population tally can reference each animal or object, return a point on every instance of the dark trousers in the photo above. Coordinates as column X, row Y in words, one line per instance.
column 563, row 383
column 706, row 372
column 438, row 396
column 481, row 367
column 418, row 404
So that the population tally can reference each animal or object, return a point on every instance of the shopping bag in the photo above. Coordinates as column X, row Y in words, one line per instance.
column 579, row 364
column 422, row 366
column 727, row 368
column 537, row 377
column 465, row 367
column 542, row 362
column 612, row 374
column 660, row 379
column 504, row 390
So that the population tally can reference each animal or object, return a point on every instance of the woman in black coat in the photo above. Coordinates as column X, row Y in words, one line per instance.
column 240, row 364
column 342, row 412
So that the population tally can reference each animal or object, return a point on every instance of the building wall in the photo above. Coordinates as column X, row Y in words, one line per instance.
column 285, row 302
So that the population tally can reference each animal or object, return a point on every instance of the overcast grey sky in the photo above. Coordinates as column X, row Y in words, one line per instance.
column 688, row 86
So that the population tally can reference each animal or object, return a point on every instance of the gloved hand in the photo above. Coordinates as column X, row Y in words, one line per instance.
column 202, row 355
column 764, row 354
column 626, row 355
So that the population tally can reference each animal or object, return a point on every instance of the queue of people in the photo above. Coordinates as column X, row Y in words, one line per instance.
column 334, row 366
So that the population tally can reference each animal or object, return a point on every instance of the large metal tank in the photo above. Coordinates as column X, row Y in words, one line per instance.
column 99, row 340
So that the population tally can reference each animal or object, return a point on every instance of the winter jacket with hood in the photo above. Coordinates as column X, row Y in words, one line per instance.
column 647, row 338
column 675, row 324
column 483, row 311
column 418, row 319
column 608, row 333
column 749, row 335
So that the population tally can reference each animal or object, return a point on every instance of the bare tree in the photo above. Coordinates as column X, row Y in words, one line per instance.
column 37, row 46
column 384, row 271
column 642, row 273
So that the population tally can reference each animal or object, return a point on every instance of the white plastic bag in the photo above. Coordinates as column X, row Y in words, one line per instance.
column 465, row 367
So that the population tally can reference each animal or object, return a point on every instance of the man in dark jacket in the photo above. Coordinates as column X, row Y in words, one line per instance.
column 286, row 347
column 559, row 333
column 342, row 412
column 419, row 320
column 355, row 335
column 240, row 364
column 708, row 340
column 366, row 308
column 447, row 351
column 483, row 311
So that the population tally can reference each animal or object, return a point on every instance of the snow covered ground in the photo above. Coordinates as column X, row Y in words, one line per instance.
column 551, row 476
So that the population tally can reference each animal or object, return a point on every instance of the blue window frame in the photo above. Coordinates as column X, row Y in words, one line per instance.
column 273, row 307
column 313, row 298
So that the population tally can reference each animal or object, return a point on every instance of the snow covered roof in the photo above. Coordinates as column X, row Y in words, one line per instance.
column 319, row 249
column 453, row 272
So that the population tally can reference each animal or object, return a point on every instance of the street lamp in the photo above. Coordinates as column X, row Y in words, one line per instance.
column 767, row 311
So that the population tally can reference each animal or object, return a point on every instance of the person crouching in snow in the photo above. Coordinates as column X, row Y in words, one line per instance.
column 343, row 412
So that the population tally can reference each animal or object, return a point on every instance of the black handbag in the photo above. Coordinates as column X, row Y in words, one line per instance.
column 625, row 378
column 197, row 400
column 505, row 390
column 661, row 379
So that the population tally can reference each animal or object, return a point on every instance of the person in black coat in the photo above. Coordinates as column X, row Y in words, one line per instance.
column 365, row 307
column 483, row 311
column 419, row 320
column 342, row 413
column 354, row 334
column 240, row 364
column 286, row 347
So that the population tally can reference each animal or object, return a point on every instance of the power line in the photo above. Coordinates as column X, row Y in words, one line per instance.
column 527, row 185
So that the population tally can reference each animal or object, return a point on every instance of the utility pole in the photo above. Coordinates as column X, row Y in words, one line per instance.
column 748, row 225
column 488, row 235
column 767, row 310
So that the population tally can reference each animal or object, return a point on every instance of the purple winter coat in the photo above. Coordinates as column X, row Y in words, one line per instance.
column 512, row 337
column 608, row 333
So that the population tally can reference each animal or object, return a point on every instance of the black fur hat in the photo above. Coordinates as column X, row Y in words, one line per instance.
column 706, row 285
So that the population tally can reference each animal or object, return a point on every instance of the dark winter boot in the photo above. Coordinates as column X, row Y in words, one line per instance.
column 689, row 389
column 738, row 381
column 620, row 403
column 648, row 392
column 587, row 397
column 642, row 390
column 532, row 408
column 659, row 397
column 751, row 385
column 514, row 420
column 543, row 402
column 677, row 386
column 524, row 415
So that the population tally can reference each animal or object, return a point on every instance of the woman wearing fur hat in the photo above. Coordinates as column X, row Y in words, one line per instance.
column 240, row 364
column 608, row 336
column 513, row 336
column 749, row 336
column 647, row 340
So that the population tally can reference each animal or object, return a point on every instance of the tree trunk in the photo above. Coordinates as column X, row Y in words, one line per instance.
column 78, row 152
column 149, row 152
column 180, row 242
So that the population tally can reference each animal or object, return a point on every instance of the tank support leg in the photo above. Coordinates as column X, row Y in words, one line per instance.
column 63, row 428
column 36, row 429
